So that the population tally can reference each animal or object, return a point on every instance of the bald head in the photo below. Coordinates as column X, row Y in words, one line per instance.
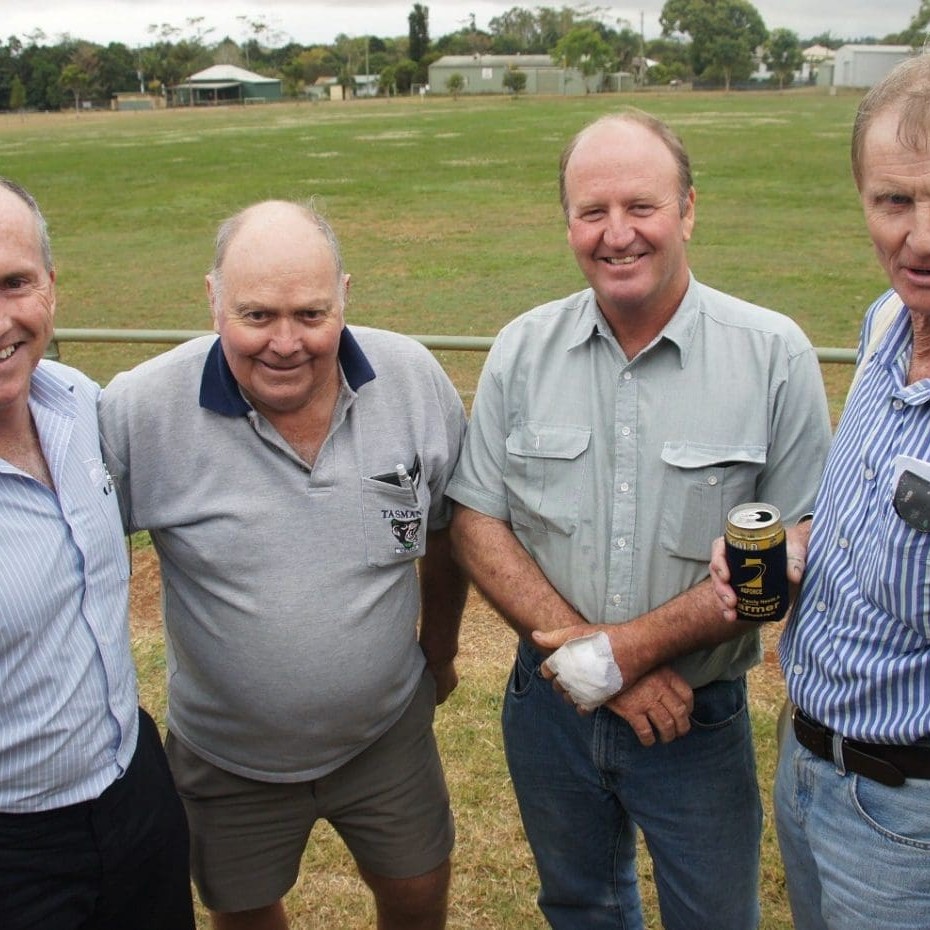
column 268, row 226
column 41, row 227
column 634, row 117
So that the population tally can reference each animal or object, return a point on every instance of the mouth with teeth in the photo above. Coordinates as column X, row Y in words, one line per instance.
column 7, row 352
column 626, row 260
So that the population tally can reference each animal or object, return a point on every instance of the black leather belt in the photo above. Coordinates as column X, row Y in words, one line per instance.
column 889, row 765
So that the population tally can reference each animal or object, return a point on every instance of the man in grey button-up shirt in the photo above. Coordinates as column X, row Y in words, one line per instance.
column 611, row 433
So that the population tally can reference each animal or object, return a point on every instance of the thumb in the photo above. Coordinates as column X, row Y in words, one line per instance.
column 552, row 639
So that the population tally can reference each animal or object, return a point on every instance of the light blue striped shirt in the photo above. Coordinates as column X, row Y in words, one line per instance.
column 67, row 684
column 856, row 653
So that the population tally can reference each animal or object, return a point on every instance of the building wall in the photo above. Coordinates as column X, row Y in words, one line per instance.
column 863, row 66
column 489, row 79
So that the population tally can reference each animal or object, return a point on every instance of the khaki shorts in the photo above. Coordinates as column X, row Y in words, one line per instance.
column 389, row 804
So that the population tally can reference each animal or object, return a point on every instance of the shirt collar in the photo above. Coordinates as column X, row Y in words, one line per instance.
column 219, row 390
column 48, row 388
column 679, row 330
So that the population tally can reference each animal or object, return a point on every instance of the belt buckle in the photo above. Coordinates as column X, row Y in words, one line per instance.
column 872, row 767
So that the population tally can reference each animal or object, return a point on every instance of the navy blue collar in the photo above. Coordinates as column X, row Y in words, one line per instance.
column 219, row 390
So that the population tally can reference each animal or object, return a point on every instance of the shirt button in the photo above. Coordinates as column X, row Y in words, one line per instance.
column 821, row 606
column 624, row 486
column 620, row 543
column 627, row 376
column 843, row 543
column 868, row 474
column 616, row 600
column 897, row 403
column 797, row 669
column 712, row 480
column 625, row 431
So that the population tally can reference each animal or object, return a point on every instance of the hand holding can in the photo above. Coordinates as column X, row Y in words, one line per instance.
column 757, row 557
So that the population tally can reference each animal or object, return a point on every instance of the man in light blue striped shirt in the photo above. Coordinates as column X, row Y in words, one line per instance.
column 852, row 795
column 92, row 833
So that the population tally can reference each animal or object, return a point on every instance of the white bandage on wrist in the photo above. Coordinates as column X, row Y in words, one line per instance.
column 586, row 669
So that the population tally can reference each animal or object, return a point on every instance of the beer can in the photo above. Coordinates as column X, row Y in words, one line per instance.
column 758, row 561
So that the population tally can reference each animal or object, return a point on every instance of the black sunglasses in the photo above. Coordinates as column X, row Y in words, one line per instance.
column 912, row 501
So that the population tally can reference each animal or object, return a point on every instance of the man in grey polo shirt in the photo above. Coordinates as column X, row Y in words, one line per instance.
column 291, row 474
column 611, row 432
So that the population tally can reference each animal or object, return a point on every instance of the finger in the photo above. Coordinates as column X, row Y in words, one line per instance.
column 643, row 730
column 796, row 566
column 555, row 638
column 547, row 672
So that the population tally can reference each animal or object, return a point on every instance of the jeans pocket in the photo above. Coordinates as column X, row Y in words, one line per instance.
column 719, row 704
column 525, row 671
column 901, row 815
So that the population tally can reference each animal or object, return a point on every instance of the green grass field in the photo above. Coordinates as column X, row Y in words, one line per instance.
column 449, row 218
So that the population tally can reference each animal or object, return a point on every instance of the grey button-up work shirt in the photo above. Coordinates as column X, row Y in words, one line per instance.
column 617, row 474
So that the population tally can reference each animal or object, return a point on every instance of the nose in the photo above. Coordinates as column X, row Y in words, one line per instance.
column 918, row 238
column 618, row 231
column 284, row 339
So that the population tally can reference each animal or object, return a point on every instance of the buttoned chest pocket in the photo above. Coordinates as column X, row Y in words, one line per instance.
column 701, row 484
column 395, row 521
column 545, row 475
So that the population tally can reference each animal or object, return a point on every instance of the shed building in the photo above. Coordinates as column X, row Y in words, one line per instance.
column 225, row 84
column 865, row 65
column 484, row 74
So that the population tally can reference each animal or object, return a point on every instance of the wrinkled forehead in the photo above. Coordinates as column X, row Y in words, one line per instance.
column 19, row 230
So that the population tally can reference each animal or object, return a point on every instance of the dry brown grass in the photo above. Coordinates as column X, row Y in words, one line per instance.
column 494, row 882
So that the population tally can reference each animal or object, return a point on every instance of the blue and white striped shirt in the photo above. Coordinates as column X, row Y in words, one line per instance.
column 856, row 653
column 68, row 699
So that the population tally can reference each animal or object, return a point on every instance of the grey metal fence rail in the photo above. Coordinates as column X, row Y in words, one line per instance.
column 451, row 343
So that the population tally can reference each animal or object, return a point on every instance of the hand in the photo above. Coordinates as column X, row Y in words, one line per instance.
column 796, row 541
column 554, row 640
column 659, row 703
column 447, row 679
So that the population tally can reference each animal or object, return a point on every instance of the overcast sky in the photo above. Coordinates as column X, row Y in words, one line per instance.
column 306, row 22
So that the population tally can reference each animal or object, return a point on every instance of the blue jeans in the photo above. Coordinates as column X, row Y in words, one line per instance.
column 585, row 783
column 856, row 853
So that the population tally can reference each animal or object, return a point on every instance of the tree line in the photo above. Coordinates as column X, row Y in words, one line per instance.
column 714, row 41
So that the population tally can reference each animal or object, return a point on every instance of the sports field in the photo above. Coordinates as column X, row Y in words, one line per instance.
column 449, row 219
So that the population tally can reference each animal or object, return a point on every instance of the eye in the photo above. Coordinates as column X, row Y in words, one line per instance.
column 15, row 282
column 255, row 316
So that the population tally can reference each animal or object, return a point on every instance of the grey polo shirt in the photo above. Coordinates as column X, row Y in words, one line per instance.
column 616, row 475
column 290, row 594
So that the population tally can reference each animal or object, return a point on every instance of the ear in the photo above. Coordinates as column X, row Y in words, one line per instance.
column 212, row 299
column 53, row 294
column 687, row 221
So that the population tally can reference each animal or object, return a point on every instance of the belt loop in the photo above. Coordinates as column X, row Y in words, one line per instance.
column 838, row 754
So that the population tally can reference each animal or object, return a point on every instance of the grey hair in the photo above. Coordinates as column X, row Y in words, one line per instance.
column 905, row 88
column 45, row 244
column 230, row 227
column 658, row 128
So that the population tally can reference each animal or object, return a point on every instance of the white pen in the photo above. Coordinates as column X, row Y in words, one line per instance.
column 407, row 482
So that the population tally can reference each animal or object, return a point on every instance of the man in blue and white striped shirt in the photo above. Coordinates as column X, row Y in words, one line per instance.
column 852, row 794
column 92, row 833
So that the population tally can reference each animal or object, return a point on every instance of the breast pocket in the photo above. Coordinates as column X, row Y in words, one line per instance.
column 701, row 484
column 395, row 522
column 545, row 475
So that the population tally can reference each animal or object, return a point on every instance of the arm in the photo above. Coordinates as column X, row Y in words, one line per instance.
column 509, row 578
column 507, row 575
column 443, row 588
column 686, row 623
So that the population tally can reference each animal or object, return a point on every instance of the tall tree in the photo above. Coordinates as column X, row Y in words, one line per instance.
column 585, row 49
column 783, row 55
column 724, row 35
column 419, row 31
